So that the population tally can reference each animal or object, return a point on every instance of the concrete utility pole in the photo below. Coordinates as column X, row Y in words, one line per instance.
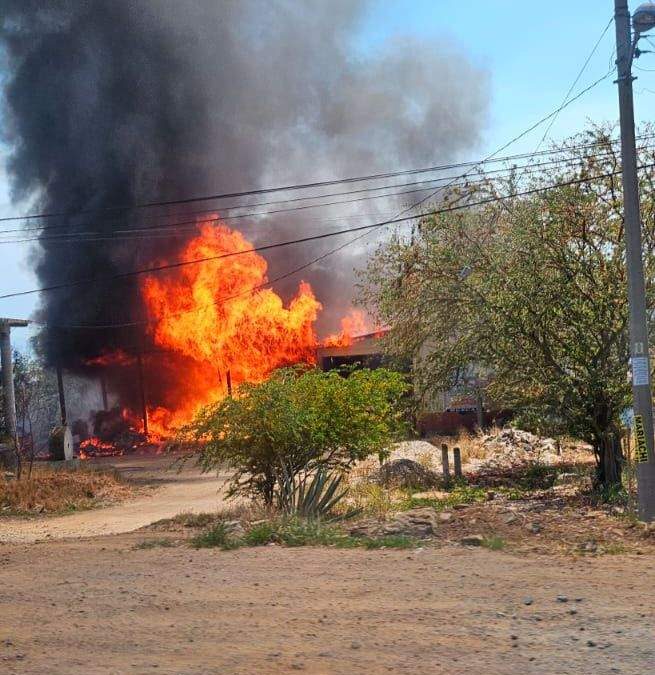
column 643, row 402
column 9, row 398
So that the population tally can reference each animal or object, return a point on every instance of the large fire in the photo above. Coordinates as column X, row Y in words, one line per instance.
column 214, row 325
column 209, row 313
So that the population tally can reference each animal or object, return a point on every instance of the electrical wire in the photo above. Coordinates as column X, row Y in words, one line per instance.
column 184, row 263
column 168, row 229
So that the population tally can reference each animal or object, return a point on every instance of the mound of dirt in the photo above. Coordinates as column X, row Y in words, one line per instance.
column 406, row 473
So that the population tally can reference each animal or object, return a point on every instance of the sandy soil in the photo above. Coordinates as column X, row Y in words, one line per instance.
column 101, row 606
column 168, row 492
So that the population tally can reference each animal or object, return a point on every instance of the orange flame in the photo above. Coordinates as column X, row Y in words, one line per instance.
column 209, row 314
column 352, row 325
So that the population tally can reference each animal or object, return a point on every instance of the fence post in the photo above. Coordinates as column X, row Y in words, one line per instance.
column 444, row 463
column 457, row 461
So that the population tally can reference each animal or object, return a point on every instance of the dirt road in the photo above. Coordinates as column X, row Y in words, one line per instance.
column 101, row 606
column 167, row 493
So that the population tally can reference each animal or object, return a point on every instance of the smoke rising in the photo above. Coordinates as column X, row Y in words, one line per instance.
column 113, row 102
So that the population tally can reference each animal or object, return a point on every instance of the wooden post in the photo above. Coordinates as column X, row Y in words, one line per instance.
column 444, row 464
column 457, row 461
column 142, row 389
column 62, row 395
column 103, row 389
column 228, row 378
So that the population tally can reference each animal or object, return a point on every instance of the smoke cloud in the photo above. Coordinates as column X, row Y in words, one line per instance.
column 114, row 102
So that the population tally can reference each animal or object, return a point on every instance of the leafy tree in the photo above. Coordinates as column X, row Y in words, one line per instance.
column 297, row 421
column 531, row 289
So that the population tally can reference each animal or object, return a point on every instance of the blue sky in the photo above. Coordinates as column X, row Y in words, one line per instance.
column 532, row 50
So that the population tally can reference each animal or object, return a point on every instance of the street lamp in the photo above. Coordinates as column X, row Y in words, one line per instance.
column 643, row 18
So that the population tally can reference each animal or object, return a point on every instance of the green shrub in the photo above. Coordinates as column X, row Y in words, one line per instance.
column 297, row 421
column 217, row 536
column 494, row 543
column 154, row 543
column 261, row 534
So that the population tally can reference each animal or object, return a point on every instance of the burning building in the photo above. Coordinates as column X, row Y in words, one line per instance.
column 113, row 104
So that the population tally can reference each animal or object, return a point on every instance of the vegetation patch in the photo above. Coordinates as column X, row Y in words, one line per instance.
column 460, row 494
column 60, row 491
column 494, row 543
column 154, row 543
column 293, row 532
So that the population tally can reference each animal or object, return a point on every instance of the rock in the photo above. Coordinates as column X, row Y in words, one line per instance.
column 472, row 540
column 590, row 547
column 355, row 645
column 419, row 522
column 366, row 528
column 510, row 518
column 527, row 601
column 445, row 517
column 562, row 598
column 535, row 528
column 406, row 473
column 460, row 507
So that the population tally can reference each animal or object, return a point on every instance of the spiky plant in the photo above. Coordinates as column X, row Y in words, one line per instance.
column 313, row 494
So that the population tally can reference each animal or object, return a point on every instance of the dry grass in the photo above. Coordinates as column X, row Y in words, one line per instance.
column 60, row 491
column 470, row 443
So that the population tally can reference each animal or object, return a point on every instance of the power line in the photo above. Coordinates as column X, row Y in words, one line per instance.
column 577, row 79
column 194, row 222
column 83, row 236
column 325, row 235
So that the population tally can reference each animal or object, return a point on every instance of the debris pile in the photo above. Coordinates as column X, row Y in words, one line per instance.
column 406, row 473
column 513, row 447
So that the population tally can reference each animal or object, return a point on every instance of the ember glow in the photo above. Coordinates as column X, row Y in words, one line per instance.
column 95, row 447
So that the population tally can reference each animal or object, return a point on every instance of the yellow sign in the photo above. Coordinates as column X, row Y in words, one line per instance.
column 641, row 451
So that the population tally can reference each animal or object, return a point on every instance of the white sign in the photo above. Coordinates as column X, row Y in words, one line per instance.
column 640, row 374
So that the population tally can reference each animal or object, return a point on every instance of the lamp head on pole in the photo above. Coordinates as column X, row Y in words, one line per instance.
column 643, row 18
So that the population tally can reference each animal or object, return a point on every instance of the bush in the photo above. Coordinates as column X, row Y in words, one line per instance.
column 297, row 421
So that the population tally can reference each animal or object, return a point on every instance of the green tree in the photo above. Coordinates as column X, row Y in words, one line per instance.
column 296, row 421
column 532, row 289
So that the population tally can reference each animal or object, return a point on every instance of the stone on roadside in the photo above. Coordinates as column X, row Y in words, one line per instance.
column 419, row 522
column 472, row 540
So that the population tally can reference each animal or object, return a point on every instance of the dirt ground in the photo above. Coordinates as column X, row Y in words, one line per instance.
column 163, row 491
column 102, row 606
column 72, row 603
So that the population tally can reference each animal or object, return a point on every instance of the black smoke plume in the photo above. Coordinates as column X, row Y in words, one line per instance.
column 116, row 102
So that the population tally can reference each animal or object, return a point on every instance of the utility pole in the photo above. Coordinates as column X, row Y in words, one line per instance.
column 641, row 389
column 62, row 395
column 9, row 397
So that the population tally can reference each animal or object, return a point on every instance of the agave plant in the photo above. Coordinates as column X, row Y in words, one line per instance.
column 313, row 494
